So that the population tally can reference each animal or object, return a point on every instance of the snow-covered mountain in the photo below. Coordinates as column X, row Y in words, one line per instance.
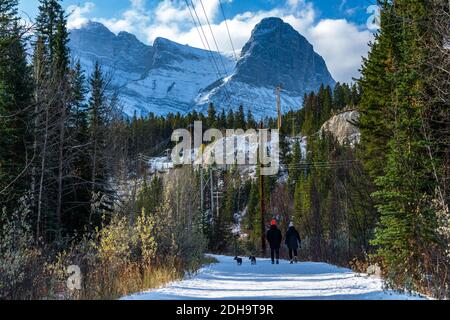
column 162, row 78
column 276, row 54
column 170, row 77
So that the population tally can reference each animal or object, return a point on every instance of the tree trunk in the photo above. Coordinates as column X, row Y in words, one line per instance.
column 60, row 169
column 41, row 182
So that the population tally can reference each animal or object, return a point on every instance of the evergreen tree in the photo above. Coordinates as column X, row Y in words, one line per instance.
column 251, row 122
column 240, row 118
column 294, row 166
column 15, row 103
column 356, row 95
column 326, row 102
column 62, row 110
column 377, row 83
column 302, row 206
column 230, row 120
column 151, row 195
column 78, row 189
column 211, row 120
column 222, row 121
column 406, row 235
column 98, row 117
column 52, row 104
column 47, row 24
column 252, row 207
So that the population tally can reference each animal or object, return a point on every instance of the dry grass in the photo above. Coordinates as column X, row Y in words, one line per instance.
column 110, row 285
column 130, row 279
column 207, row 260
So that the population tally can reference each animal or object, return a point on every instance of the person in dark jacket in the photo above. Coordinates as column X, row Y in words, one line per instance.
column 274, row 238
column 293, row 242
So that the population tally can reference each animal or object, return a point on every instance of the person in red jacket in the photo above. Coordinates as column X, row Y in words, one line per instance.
column 274, row 238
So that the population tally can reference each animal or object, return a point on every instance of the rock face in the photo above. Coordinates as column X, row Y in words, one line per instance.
column 162, row 78
column 278, row 54
column 170, row 77
column 275, row 54
column 342, row 128
column 175, row 77
column 122, row 52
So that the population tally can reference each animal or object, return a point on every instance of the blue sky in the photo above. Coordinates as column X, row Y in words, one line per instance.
column 354, row 10
column 337, row 28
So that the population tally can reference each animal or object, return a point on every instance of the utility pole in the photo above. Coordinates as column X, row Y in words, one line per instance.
column 202, row 189
column 278, row 92
column 217, row 195
column 202, row 199
column 262, row 203
column 192, row 144
column 293, row 126
column 212, row 190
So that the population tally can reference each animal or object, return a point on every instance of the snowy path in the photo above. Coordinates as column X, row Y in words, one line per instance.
column 307, row 280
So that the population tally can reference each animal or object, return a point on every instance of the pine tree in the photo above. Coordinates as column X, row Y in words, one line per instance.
column 98, row 116
column 252, row 209
column 302, row 207
column 240, row 118
column 15, row 103
column 52, row 101
column 77, row 186
column 406, row 234
column 151, row 195
column 356, row 95
column 61, row 72
column 326, row 102
column 222, row 121
column 47, row 24
column 230, row 120
column 377, row 84
column 211, row 120
column 294, row 166
column 251, row 122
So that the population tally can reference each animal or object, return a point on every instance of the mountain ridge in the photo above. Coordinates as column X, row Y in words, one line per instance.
column 171, row 77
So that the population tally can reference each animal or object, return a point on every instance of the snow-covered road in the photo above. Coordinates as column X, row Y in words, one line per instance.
column 306, row 280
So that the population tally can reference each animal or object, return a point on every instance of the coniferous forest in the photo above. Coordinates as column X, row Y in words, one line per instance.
column 75, row 188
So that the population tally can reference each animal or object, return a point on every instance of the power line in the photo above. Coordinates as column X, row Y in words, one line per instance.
column 227, row 94
column 198, row 31
column 214, row 38
column 207, row 46
column 228, row 30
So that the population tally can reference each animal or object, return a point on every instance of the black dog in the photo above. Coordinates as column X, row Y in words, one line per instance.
column 252, row 259
column 239, row 260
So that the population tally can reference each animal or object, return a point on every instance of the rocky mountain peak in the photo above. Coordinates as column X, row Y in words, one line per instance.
column 171, row 77
column 281, row 55
column 94, row 42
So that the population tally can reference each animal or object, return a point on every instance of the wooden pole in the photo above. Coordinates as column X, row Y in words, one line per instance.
column 212, row 191
column 262, row 204
column 279, row 107
column 202, row 199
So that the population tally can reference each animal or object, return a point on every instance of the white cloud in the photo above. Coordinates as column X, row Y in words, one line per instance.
column 340, row 42
column 133, row 20
column 77, row 15
column 342, row 45
column 181, row 28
